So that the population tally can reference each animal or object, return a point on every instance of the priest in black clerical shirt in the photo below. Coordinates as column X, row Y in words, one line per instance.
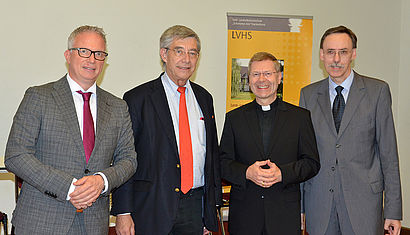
column 267, row 148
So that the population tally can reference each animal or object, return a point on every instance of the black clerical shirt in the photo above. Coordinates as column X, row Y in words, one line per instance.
column 266, row 117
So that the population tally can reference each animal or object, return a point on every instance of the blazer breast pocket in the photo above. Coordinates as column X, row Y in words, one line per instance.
column 377, row 187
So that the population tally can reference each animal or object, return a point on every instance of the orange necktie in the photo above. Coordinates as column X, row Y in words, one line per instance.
column 185, row 145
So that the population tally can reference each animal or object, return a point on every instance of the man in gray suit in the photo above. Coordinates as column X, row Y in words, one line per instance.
column 71, row 142
column 354, row 128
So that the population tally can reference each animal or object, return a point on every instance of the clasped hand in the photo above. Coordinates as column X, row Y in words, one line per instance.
column 86, row 191
column 264, row 173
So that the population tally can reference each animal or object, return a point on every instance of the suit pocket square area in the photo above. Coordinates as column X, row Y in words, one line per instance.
column 377, row 186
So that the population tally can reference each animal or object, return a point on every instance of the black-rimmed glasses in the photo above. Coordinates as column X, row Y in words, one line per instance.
column 86, row 53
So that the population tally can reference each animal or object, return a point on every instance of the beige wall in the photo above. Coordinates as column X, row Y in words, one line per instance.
column 33, row 39
column 403, row 109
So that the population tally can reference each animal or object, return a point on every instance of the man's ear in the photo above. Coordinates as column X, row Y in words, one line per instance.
column 322, row 54
column 163, row 54
column 354, row 53
column 67, row 55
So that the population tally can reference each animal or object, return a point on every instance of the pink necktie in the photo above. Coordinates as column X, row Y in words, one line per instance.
column 185, row 145
column 88, row 126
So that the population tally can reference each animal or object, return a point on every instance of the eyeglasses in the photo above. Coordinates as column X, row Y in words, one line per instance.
column 179, row 52
column 86, row 53
column 341, row 53
column 266, row 74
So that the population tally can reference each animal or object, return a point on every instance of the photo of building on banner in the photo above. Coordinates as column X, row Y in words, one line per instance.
column 288, row 38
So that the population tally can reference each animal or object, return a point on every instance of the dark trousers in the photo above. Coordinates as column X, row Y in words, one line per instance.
column 189, row 215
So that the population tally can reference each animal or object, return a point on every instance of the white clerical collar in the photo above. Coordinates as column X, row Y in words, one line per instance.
column 265, row 107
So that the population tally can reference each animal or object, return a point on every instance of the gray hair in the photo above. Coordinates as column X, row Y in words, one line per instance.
column 82, row 29
column 177, row 32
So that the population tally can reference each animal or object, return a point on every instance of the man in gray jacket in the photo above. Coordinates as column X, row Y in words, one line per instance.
column 71, row 142
column 354, row 128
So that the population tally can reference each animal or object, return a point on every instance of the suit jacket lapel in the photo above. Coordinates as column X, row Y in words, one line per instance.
column 253, row 125
column 278, row 124
column 356, row 94
column 209, row 119
column 65, row 103
column 323, row 100
column 160, row 103
column 103, row 115
column 206, row 110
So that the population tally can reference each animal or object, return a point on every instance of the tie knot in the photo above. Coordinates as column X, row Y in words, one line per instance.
column 339, row 90
column 86, row 95
column 181, row 89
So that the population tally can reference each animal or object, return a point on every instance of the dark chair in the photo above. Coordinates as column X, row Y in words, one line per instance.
column 3, row 219
column 17, row 186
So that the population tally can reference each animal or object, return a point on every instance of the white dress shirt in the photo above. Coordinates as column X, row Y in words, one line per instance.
column 79, row 103
column 196, row 125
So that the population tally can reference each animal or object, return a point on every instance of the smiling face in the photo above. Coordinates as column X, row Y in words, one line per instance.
column 85, row 71
column 337, row 54
column 264, row 81
column 180, row 66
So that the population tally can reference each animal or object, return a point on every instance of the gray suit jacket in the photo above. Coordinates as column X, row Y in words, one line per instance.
column 366, row 152
column 45, row 149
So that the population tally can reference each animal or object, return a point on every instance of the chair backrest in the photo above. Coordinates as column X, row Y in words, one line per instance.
column 3, row 219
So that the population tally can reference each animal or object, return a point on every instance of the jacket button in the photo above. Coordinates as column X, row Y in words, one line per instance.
column 86, row 171
column 178, row 166
column 177, row 190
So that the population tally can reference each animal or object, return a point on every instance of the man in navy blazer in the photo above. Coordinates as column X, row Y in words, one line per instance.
column 152, row 201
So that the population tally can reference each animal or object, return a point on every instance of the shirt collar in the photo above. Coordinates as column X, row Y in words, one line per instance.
column 346, row 84
column 172, row 85
column 74, row 86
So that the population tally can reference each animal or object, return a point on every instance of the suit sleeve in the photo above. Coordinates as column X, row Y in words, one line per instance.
column 232, row 170
column 20, row 157
column 124, row 158
column 302, row 103
column 122, row 197
column 387, row 148
column 216, row 162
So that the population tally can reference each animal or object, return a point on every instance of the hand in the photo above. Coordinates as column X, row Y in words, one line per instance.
column 277, row 174
column 206, row 231
column 392, row 226
column 87, row 190
column 302, row 221
column 264, row 177
column 124, row 225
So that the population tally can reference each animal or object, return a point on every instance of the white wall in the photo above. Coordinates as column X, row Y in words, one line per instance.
column 34, row 33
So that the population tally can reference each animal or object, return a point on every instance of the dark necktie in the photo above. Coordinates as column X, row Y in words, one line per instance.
column 185, row 145
column 338, row 107
column 88, row 126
